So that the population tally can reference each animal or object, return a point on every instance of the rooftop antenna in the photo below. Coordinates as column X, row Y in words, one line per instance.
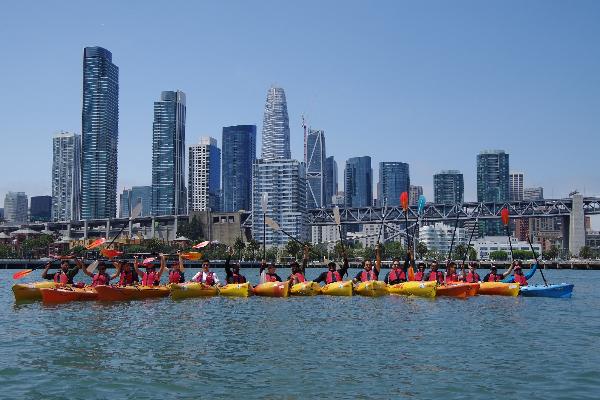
column 305, row 148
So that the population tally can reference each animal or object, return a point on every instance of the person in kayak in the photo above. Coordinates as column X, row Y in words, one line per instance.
column 233, row 276
column 297, row 275
column 472, row 276
column 64, row 275
column 332, row 275
column 206, row 276
column 397, row 274
column 369, row 273
column 268, row 273
column 420, row 275
column 434, row 274
column 150, row 277
column 451, row 275
column 100, row 278
column 494, row 276
column 528, row 275
column 176, row 272
column 127, row 276
column 518, row 276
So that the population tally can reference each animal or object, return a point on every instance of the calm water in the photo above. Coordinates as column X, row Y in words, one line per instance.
column 328, row 347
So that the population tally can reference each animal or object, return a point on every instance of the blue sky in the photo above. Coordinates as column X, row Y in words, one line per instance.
column 430, row 83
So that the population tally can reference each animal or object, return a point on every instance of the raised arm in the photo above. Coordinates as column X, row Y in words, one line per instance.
column 163, row 266
column 82, row 267
column 181, row 264
column 509, row 270
column 45, row 272
column 345, row 266
column 377, row 258
column 227, row 262
column 136, row 267
column 305, row 260
column 117, row 270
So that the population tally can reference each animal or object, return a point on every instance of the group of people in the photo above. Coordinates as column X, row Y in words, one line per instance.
column 147, row 273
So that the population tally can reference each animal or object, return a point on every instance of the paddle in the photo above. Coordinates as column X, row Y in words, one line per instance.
column 191, row 255
column 382, row 220
column 420, row 208
column 264, row 202
column 338, row 221
column 505, row 215
column 453, row 235
column 21, row 274
column 95, row 243
column 404, row 204
column 201, row 244
column 536, row 261
column 275, row 226
column 92, row 267
column 134, row 214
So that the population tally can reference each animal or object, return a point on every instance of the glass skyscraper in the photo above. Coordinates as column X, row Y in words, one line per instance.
column 448, row 187
column 168, row 155
column 330, row 181
column 492, row 185
column 130, row 198
column 100, row 134
column 238, row 156
column 276, row 127
column 394, row 179
column 358, row 182
column 204, row 176
column 314, row 159
column 66, row 176
column 40, row 209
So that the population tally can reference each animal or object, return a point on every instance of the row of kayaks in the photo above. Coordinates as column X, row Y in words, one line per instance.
column 50, row 292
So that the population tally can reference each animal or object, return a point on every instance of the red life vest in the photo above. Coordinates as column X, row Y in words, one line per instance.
column 101, row 278
column 61, row 277
column 451, row 278
column 210, row 278
column 150, row 279
column 436, row 276
column 419, row 276
column 396, row 275
column 175, row 276
column 473, row 278
column 126, row 278
column 271, row 278
column 333, row 276
column 494, row 278
column 299, row 277
column 368, row 276
column 521, row 280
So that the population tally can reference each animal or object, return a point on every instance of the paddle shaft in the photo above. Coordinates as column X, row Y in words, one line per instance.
column 536, row 260
column 469, row 244
column 291, row 237
column 264, row 236
column 512, row 255
column 453, row 235
column 382, row 220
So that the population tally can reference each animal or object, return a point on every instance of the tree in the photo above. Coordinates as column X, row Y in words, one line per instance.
column 523, row 255
column 394, row 250
column 421, row 250
column 292, row 248
column 36, row 246
column 585, row 252
column 191, row 230
column 499, row 255
column 6, row 251
column 318, row 251
column 239, row 246
column 460, row 252
column 551, row 254
column 472, row 254
column 272, row 253
column 368, row 253
column 253, row 246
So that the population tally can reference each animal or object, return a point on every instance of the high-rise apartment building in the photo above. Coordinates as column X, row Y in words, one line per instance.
column 533, row 194
column 238, row 156
column 448, row 187
column 131, row 198
column 15, row 208
column 204, row 176
column 515, row 186
column 394, row 179
column 414, row 192
column 492, row 185
column 66, row 176
column 330, row 181
column 358, row 182
column 40, row 209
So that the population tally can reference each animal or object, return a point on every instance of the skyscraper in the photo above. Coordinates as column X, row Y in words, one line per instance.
column 40, row 209
column 66, row 176
column 358, row 182
column 448, row 187
column 492, row 185
column 130, row 198
column 393, row 180
column 330, row 181
column 314, row 159
column 414, row 192
column 276, row 127
column 15, row 207
column 533, row 193
column 168, row 155
column 100, row 134
column 204, row 176
column 515, row 186
column 239, row 154
column 284, row 181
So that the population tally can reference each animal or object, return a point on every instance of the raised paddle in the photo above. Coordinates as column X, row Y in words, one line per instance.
column 338, row 221
column 92, row 267
column 137, row 210
column 404, row 204
column 96, row 243
column 275, row 226
column 382, row 219
column 201, row 244
column 536, row 261
column 264, row 202
column 505, row 215
column 453, row 235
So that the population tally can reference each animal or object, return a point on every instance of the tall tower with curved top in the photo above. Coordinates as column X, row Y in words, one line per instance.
column 276, row 127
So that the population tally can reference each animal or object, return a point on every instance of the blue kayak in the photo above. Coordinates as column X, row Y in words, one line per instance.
column 559, row 290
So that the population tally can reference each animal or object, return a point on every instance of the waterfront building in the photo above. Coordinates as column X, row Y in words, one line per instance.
column 314, row 159
column 40, row 209
column 325, row 234
column 169, row 195
column 448, row 187
column 413, row 195
column 66, row 176
column 492, row 185
column 438, row 237
column 393, row 180
column 338, row 199
column 15, row 207
column 485, row 246
column 284, row 182
column 204, row 176
column 533, row 194
column 100, row 134
column 276, row 127
column 515, row 189
column 358, row 182
column 131, row 198
column 330, row 181
column 238, row 156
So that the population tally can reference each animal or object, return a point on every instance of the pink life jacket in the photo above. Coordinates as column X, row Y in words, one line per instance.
column 419, row 276
column 100, row 279
column 396, row 274
column 494, row 278
column 436, row 276
column 271, row 278
column 150, row 278
column 472, row 278
column 521, row 280
column 368, row 276
column 299, row 277
column 210, row 278
column 451, row 278
column 333, row 276
column 126, row 278
column 174, row 276
column 61, row 277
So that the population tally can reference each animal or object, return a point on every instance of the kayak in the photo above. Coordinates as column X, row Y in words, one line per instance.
column 307, row 288
column 236, row 290
column 343, row 288
column 125, row 293
column 192, row 289
column 421, row 289
column 31, row 291
column 372, row 289
column 273, row 289
column 67, row 294
column 498, row 289
column 473, row 287
column 457, row 290
column 559, row 290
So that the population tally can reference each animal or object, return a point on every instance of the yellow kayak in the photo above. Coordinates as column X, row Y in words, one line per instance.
column 499, row 289
column 31, row 291
column 273, row 289
column 191, row 289
column 305, row 289
column 343, row 288
column 236, row 290
column 371, row 288
column 415, row 288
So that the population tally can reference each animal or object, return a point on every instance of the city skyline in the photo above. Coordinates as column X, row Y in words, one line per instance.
column 305, row 94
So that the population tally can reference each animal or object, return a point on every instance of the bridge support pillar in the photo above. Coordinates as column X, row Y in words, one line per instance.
column 85, row 230
column 108, row 229
column 576, row 225
column 130, row 229
column 153, row 228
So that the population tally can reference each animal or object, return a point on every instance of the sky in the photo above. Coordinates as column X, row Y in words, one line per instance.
column 430, row 83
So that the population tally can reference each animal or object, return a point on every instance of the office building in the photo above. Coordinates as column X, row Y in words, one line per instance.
column 134, row 197
column 15, row 208
column 358, row 182
column 393, row 180
column 515, row 189
column 238, row 156
column 492, row 185
column 330, row 180
column 448, row 187
column 276, row 127
column 314, row 159
column 66, row 176
column 40, row 209
column 204, row 176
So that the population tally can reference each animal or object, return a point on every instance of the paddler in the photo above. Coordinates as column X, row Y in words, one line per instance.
column 270, row 275
column 100, row 278
column 297, row 275
column 233, row 276
column 494, row 276
column 64, row 275
column 150, row 277
column 206, row 276
column 397, row 274
column 518, row 275
column 420, row 275
column 472, row 276
column 368, row 273
column 434, row 274
column 127, row 276
column 451, row 275
column 332, row 275
column 176, row 272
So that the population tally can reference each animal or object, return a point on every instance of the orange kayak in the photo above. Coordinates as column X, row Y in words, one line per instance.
column 272, row 289
column 473, row 287
column 499, row 289
column 125, row 293
column 65, row 295
column 460, row 290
